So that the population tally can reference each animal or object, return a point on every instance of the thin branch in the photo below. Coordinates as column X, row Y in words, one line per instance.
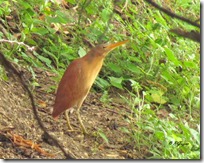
column 32, row 48
column 8, row 65
column 173, row 15
column 193, row 35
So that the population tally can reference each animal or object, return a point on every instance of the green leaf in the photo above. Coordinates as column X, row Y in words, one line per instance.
column 160, row 135
column 134, row 59
column 25, row 5
column 190, row 64
column 117, row 69
column 176, row 137
column 171, row 56
column 133, row 68
column 105, row 14
column 124, row 129
column 167, row 76
column 3, row 74
column 174, row 100
column 160, row 19
column 103, row 84
column 40, row 31
column 101, row 134
column 72, row 1
column 135, row 85
column 45, row 60
column 60, row 17
column 49, row 53
column 116, row 82
column 156, row 96
column 81, row 52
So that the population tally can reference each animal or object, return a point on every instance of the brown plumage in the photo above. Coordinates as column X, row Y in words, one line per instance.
column 78, row 79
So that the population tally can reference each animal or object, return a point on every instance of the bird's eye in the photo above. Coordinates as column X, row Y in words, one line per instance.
column 104, row 46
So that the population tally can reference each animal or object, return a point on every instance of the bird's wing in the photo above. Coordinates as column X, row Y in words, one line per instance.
column 70, row 90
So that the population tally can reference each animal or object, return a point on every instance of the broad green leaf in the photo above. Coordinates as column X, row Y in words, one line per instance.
column 105, row 14
column 176, row 137
column 117, row 69
column 157, row 97
column 30, row 60
column 133, row 68
column 60, row 18
column 160, row 135
column 90, row 9
column 171, row 56
column 81, row 52
column 190, row 64
column 72, row 1
column 25, row 4
column 45, row 60
column 174, row 100
column 103, row 84
column 40, row 31
column 167, row 76
column 116, row 82
column 134, row 59
column 160, row 19
column 49, row 53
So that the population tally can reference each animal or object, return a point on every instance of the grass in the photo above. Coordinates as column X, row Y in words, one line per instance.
column 158, row 69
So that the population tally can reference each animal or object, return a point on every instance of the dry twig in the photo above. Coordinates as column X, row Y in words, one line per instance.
column 173, row 15
column 20, row 141
column 8, row 65
column 19, row 43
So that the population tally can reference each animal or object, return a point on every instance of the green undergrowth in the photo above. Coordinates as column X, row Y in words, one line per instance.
column 158, row 69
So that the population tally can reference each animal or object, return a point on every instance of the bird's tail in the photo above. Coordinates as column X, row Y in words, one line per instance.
column 55, row 116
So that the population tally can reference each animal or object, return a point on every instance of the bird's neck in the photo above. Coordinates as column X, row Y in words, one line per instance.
column 93, row 64
column 92, row 58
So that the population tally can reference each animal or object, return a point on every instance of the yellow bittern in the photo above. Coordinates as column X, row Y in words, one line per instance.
column 78, row 79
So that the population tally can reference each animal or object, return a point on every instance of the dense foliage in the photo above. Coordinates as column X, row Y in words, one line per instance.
column 157, row 73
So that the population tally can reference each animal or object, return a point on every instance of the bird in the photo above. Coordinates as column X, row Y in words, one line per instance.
column 77, row 81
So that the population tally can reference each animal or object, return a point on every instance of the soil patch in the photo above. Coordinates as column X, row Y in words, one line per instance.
column 103, row 122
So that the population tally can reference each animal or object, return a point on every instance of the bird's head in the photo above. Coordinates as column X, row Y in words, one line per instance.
column 103, row 49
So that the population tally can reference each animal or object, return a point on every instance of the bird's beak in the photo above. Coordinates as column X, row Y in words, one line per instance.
column 110, row 47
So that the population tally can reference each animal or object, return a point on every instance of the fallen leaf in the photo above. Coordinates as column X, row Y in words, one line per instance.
column 42, row 104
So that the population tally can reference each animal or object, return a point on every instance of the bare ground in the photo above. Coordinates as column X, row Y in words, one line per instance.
column 17, row 118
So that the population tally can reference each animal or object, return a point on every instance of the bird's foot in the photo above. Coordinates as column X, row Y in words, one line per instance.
column 71, row 130
column 84, row 131
column 78, row 131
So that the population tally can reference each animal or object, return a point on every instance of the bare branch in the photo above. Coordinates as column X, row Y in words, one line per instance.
column 8, row 65
column 173, row 15
column 193, row 35
column 32, row 48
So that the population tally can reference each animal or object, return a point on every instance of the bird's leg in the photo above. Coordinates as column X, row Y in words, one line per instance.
column 79, row 118
column 68, row 122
